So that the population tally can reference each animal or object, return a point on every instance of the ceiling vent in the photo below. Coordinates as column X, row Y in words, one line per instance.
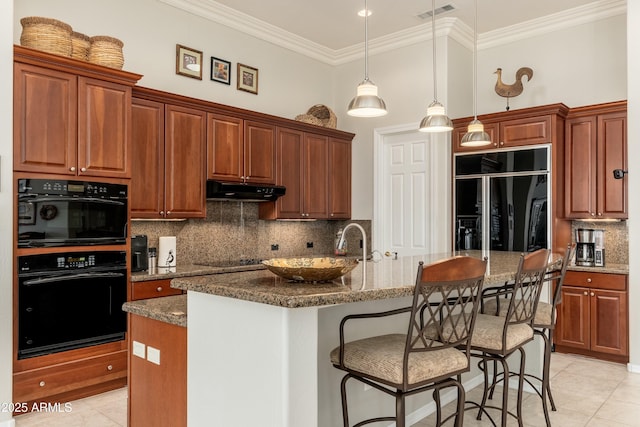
column 442, row 9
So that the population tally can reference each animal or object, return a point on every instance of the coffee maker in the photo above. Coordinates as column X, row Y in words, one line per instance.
column 585, row 247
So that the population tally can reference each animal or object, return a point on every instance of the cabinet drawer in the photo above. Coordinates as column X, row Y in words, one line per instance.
column 45, row 382
column 615, row 282
column 153, row 289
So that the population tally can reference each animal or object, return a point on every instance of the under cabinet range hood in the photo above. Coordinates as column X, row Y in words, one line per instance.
column 218, row 190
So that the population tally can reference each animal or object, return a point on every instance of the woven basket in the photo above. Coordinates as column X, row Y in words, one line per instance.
column 46, row 34
column 308, row 118
column 80, row 45
column 106, row 51
column 324, row 114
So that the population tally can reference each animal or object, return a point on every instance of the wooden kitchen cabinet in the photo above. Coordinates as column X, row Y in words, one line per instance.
column 158, row 392
column 240, row 150
column 168, row 179
column 71, row 117
column 528, row 126
column 596, row 144
column 316, row 170
column 152, row 289
column 593, row 316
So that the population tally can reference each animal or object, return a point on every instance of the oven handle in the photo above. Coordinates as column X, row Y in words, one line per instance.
column 36, row 199
column 45, row 280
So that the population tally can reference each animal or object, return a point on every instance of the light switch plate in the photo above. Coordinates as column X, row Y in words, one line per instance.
column 153, row 355
column 139, row 349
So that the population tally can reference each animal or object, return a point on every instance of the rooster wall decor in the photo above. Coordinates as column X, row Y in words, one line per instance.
column 515, row 89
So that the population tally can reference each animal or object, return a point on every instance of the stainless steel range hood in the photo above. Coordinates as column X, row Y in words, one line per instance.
column 219, row 190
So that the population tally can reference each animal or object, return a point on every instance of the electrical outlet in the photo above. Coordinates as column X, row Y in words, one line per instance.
column 275, row 247
column 153, row 355
column 360, row 243
column 309, row 245
column 139, row 349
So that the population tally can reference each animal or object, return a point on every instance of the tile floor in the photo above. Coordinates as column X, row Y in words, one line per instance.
column 587, row 392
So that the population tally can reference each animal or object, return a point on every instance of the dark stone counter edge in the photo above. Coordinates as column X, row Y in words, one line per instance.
column 171, row 309
column 190, row 270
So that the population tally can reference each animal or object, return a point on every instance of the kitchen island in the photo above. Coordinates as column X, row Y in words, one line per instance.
column 258, row 345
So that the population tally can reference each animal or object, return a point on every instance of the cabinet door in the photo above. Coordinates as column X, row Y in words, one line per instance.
column 459, row 131
column 612, row 154
column 158, row 392
column 290, row 173
column 580, row 167
column 572, row 328
column 339, row 179
column 146, row 191
column 609, row 325
column 184, row 163
column 104, row 112
column 527, row 131
column 259, row 153
column 225, row 152
column 316, row 174
column 44, row 120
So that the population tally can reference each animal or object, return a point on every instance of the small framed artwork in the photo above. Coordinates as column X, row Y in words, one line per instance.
column 220, row 70
column 247, row 78
column 188, row 62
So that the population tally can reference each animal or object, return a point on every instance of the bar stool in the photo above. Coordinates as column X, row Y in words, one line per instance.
column 496, row 338
column 493, row 301
column 434, row 352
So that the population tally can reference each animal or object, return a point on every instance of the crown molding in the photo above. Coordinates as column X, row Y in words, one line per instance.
column 446, row 26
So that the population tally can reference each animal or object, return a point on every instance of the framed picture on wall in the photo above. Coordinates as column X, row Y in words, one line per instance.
column 220, row 70
column 188, row 62
column 247, row 79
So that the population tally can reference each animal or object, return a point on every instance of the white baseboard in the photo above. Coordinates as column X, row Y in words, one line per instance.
column 8, row 423
column 633, row 368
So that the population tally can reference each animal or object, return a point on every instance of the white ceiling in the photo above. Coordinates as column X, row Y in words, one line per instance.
column 331, row 30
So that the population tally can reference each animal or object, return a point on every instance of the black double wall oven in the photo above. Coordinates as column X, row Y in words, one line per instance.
column 70, row 299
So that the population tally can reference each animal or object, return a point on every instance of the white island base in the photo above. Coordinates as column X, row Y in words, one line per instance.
column 253, row 364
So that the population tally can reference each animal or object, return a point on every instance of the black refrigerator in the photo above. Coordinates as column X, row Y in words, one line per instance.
column 501, row 200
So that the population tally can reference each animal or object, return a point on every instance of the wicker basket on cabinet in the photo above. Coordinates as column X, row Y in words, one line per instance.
column 46, row 34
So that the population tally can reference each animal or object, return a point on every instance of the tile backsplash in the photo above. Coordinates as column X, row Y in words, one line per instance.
column 232, row 233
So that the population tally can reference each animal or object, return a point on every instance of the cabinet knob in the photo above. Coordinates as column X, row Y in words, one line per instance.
column 593, row 294
column 72, row 168
column 593, row 214
column 110, row 368
column 83, row 169
column 331, row 214
column 586, row 293
column 599, row 213
column 42, row 383
column 588, row 279
column 159, row 289
column 168, row 213
column 501, row 143
column 161, row 213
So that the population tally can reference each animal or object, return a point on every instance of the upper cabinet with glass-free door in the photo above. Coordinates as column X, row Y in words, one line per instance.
column 596, row 145
column 71, row 117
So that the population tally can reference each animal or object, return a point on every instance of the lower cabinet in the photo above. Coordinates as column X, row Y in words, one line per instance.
column 593, row 316
column 70, row 375
column 157, row 374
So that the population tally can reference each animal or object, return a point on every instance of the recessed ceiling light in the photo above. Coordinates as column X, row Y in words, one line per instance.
column 362, row 12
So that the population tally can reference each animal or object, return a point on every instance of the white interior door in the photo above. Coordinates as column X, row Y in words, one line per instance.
column 412, row 191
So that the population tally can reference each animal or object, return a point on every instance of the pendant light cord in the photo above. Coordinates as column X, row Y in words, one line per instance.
column 366, row 42
column 433, row 37
column 475, row 61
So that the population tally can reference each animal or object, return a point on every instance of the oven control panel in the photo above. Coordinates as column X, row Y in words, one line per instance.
column 69, row 261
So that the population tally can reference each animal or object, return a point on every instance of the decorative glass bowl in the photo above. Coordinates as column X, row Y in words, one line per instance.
column 318, row 269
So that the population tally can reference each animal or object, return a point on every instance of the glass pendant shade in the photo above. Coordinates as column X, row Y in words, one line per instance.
column 367, row 103
column 475, row 136
column 436, row 119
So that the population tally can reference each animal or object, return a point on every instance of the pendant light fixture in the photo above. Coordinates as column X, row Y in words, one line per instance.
column 367, row 103
column 475, row 136
column 436, row 119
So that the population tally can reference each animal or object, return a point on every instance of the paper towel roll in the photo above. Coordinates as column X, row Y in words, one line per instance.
column 167, row 251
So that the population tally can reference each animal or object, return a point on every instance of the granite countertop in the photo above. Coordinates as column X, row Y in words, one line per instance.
column 172, row 309
column 385, row 279
column 608, row 268
column 188, row 270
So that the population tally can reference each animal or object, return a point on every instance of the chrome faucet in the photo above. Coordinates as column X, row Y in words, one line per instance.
column 341, row 244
